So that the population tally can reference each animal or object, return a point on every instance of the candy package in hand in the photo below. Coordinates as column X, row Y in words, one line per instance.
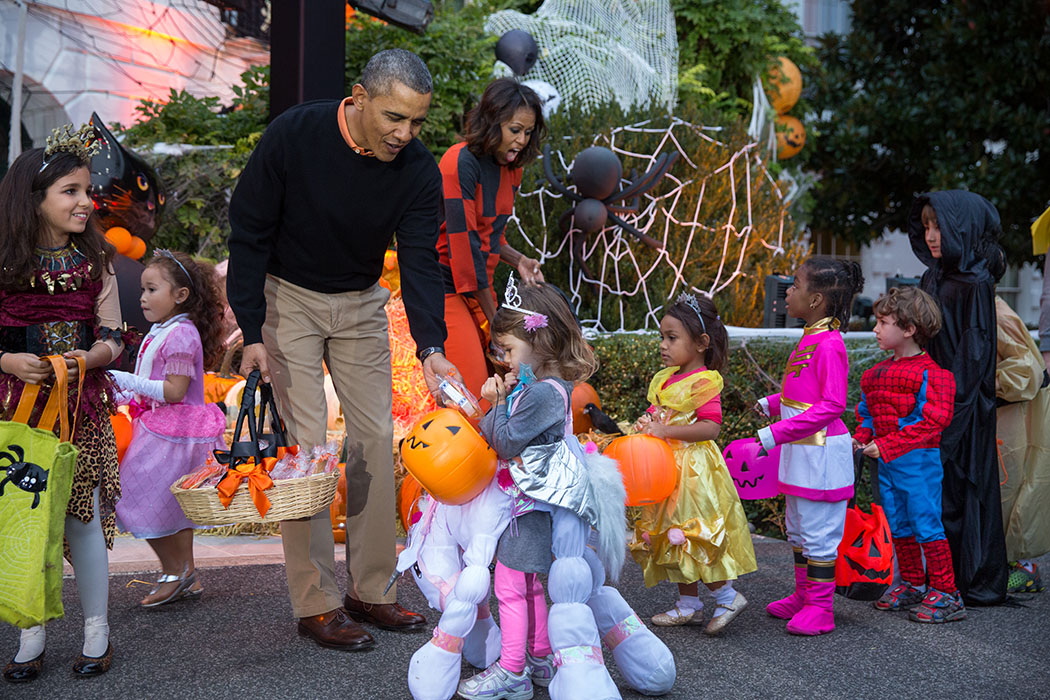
column 455, row 394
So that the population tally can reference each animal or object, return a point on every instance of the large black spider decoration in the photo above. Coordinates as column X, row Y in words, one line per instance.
column 596, row 173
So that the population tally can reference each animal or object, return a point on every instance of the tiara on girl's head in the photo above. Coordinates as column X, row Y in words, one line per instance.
column 691, row 301
column 82, row 143
column 165, row 253
column 512, row 301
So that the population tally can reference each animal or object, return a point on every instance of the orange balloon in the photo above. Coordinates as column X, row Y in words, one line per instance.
column 583, row 394
column 648, row 467
column 448, row 457
column 122, row 432
column 120, row 238
column 338, row 507
column 791, row 136
column 784, row 84
column 137, row 249
column 407, row 498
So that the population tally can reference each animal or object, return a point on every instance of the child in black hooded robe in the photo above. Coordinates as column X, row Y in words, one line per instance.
column 954, row 234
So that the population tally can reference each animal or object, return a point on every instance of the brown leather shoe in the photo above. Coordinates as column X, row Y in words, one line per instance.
column 386, row 616
column 334, row 630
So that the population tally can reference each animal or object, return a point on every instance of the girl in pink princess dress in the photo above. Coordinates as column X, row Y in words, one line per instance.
column 174, row 430
column 816, row 460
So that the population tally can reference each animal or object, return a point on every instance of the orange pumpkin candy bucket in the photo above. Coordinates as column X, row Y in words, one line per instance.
column 448, row 457
column 647, row 465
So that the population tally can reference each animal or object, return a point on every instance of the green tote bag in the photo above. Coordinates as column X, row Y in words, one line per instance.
column 34, row 493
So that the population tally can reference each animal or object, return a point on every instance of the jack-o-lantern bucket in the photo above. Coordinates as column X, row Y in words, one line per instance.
column 647, row 465
column 448, row 457
column 864, row 568
column 755, row 477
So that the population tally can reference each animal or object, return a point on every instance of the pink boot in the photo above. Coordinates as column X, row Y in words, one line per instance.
column 816, row 616
column 785, row 608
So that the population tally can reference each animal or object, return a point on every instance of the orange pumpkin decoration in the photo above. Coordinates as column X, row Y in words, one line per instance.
column 216, row 386
column 791, row 136
column 120, row 238
column 583, row 394
column 122, row 432
column 784, row 84
column 407, row 498
column 448, row 457
column 648, row 467
column 137, row 248
column 338, row 507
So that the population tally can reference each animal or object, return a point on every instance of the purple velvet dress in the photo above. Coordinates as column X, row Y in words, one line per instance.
column 168, row 440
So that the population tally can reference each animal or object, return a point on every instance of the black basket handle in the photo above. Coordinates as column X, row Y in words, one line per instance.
column 873, row 471
column 243, row 450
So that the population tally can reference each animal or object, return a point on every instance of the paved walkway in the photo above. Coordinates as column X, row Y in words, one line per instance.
column 240, row 641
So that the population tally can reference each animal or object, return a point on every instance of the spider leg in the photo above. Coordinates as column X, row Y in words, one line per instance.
column 19, row 452
column 563, row 220
column 10, row 458
column 650, row 178
column 649, row 241
column 555, row 182
column 578, row 239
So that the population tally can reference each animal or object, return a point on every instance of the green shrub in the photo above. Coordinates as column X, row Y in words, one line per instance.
column 754, row 370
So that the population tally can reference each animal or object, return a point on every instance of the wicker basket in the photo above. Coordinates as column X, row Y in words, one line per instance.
column 289, row 499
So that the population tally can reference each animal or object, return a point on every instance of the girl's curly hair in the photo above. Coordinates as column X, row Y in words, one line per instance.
column 203, row 305
column 559, row 346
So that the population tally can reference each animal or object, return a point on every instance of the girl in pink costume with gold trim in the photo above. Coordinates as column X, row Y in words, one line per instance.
column 174, row 430
column 816, row 459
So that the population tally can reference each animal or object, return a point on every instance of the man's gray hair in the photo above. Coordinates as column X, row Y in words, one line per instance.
column 396, row 66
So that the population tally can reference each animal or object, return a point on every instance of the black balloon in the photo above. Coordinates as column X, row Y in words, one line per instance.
column 962, row 279
column 590, row 215
column 125, row 189
column 518, row 50
column 596, row 172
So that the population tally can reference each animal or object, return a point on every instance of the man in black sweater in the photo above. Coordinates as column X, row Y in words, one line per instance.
column 313, row 213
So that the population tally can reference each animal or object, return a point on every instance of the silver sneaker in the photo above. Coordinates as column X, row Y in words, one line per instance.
column 496, row 683
column 541, row 669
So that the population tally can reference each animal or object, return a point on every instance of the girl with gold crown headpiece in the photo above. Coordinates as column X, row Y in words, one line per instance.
column 58, row 296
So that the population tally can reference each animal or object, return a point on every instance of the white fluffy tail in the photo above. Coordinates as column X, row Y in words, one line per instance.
column 610, row 496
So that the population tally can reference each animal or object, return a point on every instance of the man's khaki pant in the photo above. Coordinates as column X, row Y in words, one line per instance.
column 349, row 332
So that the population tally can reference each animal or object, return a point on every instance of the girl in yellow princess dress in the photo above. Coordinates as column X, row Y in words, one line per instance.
column 700, row 532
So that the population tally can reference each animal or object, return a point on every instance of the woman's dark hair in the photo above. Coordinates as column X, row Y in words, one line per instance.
column 22, row 190
column 559, row 346
column 839, row 281
column 202, row 305
column 484, row 123
column 718, row 339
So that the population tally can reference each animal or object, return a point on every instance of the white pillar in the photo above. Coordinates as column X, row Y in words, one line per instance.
column 14, row 143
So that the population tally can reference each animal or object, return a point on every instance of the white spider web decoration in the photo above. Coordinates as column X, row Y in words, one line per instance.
column 597, row 51
column 614, row 256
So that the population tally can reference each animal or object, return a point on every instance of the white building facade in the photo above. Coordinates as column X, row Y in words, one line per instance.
column 84, row 56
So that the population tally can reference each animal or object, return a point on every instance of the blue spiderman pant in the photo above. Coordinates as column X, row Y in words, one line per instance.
column 911, row 498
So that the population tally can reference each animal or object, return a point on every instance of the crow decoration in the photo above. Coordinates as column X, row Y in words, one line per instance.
column 601, row 421
column 596, row 173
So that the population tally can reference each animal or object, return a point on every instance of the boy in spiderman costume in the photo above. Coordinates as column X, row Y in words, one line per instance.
column 906, row 401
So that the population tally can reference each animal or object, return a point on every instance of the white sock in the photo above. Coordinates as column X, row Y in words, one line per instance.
column 723, row 596
column 685, row 605
column 96, row 636
column 30, row 644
